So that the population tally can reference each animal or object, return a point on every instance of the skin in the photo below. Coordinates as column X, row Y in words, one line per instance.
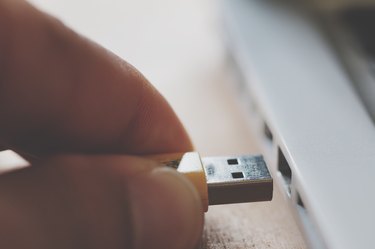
column 81, row 116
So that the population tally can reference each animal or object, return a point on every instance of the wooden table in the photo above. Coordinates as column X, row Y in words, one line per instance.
column 215, row 123
column 178, row 46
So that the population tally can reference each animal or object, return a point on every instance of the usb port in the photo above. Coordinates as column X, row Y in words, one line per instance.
column 299, row 201
column 284, row 169
column 267, row 132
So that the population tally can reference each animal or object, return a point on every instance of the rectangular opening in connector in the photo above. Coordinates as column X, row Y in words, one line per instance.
column 267, row 132
column 237, row 175
column 284, row 169
column 232, row 161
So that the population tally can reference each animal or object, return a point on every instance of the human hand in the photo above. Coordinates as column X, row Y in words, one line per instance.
column 77, row 112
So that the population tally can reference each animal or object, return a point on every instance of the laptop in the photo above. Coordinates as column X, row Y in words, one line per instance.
column 307, row 86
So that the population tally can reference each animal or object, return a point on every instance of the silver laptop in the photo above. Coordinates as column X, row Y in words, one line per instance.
column 308, row 88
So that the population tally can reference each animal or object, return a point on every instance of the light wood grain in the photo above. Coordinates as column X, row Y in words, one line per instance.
column 251, row 225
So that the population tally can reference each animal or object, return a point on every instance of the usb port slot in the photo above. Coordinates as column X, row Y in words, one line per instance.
column 267, row 132
column 284, row 169
column 299, row 201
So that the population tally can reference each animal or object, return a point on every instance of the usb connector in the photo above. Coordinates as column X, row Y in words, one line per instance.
column 237, row 179
column 222, row 180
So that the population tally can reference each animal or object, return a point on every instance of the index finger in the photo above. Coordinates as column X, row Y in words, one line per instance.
column 59, row 92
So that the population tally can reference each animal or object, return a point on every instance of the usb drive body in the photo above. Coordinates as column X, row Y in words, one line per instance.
column 223, row 180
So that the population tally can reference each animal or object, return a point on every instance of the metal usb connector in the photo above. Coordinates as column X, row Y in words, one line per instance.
column 223, row 180
column 237, row 179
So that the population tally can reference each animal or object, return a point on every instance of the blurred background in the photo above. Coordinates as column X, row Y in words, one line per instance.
column 177, row 45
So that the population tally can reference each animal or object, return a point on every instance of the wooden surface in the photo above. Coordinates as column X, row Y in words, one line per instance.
column 178, row 46
column 223, row 131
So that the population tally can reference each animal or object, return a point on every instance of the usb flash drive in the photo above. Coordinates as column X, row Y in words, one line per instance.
column 221, row 180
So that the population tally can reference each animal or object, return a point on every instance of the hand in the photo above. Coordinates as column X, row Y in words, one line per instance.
column 77, row 112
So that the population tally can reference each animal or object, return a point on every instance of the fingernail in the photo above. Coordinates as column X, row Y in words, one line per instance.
column 166, row 211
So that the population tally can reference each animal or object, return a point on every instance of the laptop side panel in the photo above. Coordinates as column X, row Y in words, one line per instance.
column 317, row 136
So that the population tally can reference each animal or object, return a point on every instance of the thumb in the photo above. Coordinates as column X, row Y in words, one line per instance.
column 98, row 202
